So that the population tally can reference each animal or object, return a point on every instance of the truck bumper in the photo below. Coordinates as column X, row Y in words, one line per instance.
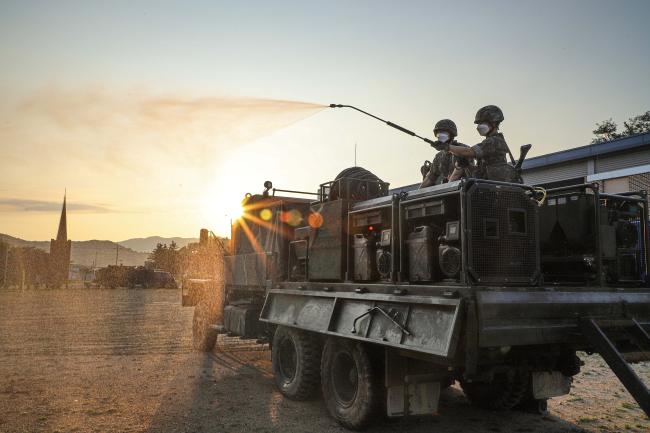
column 509, row 318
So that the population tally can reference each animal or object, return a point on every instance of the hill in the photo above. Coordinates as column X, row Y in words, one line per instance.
column 85, row 252
column 146, row 245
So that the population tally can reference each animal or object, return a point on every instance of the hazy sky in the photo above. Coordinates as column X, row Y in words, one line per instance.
column 136, row 107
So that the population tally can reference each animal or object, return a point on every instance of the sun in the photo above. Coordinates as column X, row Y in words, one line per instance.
column 220, row 210
column 234, row 209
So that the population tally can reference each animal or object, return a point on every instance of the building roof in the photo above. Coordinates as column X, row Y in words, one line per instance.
column 592, row 150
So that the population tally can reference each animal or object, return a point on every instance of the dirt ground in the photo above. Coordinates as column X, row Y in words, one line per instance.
column 121, row 361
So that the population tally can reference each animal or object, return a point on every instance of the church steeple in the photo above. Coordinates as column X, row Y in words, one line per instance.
column 62, row 234
column 60, row 252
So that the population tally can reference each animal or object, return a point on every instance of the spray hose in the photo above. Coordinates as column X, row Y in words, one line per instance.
column 387, row 122
column 523, row 151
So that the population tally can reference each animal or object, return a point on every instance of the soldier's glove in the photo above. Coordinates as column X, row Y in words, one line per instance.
column 440, row 146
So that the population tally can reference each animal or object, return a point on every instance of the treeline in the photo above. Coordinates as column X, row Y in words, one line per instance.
column 167, row 265
column 195, row 260
column 23, row 266
column 29, row 267
column 608, row 129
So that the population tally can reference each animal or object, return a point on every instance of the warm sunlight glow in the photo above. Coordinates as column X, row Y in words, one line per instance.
column 234, row 210
column 219, row 208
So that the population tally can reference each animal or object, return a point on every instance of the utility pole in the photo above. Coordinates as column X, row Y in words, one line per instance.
column 355, row 153
column 117, row 253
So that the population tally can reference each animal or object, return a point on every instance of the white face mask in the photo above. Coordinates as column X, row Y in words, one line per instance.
column 443, row 137
column 483, row 129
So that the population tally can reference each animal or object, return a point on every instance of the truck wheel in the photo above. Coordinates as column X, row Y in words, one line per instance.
column 352, row 384
column 203, row 336
column 295, row 357
column 504, row 392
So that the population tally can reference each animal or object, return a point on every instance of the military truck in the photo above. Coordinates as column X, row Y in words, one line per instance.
column 380, row 298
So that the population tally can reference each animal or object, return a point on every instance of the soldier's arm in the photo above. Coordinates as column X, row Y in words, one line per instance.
column 465, row 152
column 434, row 172
column 487, row 147
column 457, row 174
column 428, row 181
column 430, row 178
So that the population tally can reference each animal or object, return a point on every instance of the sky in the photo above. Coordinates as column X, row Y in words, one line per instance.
column 157, row 117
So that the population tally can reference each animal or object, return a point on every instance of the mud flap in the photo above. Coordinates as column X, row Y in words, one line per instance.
column 412, row 387
column 413, row 399
column 550, row 384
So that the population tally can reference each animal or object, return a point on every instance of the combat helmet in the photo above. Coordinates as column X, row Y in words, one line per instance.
column 490, row 114
column 446, row 125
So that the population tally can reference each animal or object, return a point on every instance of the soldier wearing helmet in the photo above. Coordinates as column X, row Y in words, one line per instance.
column 445, row 166
column 491, row 153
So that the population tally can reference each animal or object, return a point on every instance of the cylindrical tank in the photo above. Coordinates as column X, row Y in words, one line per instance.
column 203, row 237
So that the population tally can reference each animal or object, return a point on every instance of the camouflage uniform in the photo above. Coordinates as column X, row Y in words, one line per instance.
column 491, row 152
column 491, row 159
column 442, row 166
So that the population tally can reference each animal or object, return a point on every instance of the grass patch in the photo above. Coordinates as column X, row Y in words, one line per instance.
column 587, row 419
column 627, row 405
column 576, row 398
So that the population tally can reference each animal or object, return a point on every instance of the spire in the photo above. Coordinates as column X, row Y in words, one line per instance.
column 62, row 234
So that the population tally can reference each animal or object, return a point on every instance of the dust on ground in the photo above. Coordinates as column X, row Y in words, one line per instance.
column 121, row 361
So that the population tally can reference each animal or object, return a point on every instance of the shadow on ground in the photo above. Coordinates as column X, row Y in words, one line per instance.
column 234, row 392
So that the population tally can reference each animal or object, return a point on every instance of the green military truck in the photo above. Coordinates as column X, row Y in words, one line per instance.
column 380, row 298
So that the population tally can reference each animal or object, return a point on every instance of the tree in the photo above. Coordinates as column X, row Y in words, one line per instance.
column 607, row 129
column 638, row 124
column 28, row 266
column 166, row 258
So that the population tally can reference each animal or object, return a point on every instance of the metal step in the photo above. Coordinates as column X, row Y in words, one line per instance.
column 595, row 334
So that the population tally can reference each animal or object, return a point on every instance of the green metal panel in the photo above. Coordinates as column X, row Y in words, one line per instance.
column 509, row 318
column 418, row 323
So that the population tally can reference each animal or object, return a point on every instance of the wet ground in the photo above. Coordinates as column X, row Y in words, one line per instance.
column 121, row 361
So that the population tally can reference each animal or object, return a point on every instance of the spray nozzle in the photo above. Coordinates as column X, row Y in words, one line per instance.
column 336, row 106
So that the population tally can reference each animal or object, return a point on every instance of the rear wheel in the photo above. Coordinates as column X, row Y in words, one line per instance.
column 296, row 363
column 506, row 391
column 351, row 382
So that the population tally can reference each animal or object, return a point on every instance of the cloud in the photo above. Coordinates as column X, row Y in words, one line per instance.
column 22, row 205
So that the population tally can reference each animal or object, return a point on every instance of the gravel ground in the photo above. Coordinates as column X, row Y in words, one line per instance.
column 121, row 361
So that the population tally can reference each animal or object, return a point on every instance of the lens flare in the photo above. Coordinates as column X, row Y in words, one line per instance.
column 292, row 217
column 266, row 214
column 315, row 220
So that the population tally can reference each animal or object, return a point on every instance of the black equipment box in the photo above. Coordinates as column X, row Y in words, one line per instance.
column 242, row 319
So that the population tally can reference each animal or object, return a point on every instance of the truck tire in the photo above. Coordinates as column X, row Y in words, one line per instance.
column 352, row 383
column 203, row 335
column 504, row 392
column 295, row 356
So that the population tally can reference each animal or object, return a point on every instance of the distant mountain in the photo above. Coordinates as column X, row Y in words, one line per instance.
column 146, row 245
column 85, row 252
